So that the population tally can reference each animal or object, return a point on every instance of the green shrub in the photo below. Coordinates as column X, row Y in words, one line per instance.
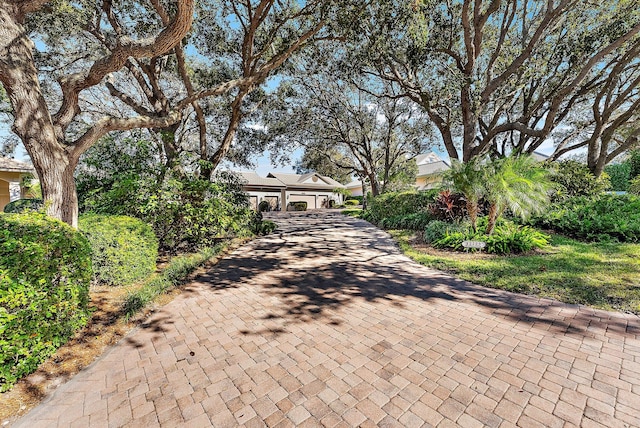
column 353, row 212
column 619, row 174
column 507, row 238
column 416, row 221
column 398, row 204
column 266, row 227
column 263, row 206
column 573, row 178
column 634, row 186
column 124, row 249
column 610, row 217
column 438, row 229
column 45, row 271
column 352, row 202
column 297, row 206
column 360, row 198
column 22, row 205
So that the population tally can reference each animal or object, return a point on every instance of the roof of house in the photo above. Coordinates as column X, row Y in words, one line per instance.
column 12, row 165
column 427, row 158
column 354, row 184
column 281, row 180
column 540, row 157
column 254, row 179
column 310, row 180
column 432, row 168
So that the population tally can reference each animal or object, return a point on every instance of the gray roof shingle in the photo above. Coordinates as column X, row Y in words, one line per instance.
column 12, row 165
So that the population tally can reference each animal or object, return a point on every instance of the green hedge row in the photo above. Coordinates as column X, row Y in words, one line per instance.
column 124, row 249
column 45, row 272
column 397, row 204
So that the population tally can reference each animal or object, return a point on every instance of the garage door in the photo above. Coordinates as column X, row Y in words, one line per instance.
column 253, row 202
column 309, row 199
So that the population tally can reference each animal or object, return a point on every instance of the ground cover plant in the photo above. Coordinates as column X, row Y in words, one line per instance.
column 606, row 218
column 602, row 275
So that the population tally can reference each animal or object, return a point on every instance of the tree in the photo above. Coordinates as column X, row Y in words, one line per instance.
column 518, row 184
column 468, row 178
column 373, row 136
column 42, row 125
column 320, row 161
column 501, row 76
column 138, row 50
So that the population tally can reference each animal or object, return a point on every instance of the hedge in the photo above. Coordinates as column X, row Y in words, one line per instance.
column 397, row 204
column 45, row 272
column 124, row 249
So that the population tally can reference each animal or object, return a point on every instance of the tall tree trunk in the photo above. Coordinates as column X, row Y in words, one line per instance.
column 32, row 121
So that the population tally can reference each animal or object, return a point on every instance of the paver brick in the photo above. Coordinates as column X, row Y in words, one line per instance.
column 285, row 333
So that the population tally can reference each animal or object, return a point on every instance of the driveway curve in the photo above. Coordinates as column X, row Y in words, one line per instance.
column 326, row 323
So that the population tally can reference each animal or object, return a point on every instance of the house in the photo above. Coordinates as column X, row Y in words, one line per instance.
column 11, row 174
column 429, row 176
column 430, row 170
column 314, row 189
column 355, row 187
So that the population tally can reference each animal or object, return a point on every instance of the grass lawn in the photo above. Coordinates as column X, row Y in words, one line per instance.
column 605, row 276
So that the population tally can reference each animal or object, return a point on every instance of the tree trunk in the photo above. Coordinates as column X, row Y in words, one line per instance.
column 32, row 121
column 472, row 211
column 234, row 122
column 59, row 190
column 493, row 218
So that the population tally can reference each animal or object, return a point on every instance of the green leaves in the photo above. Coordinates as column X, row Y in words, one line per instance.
column 124, row 249
column 45, row 270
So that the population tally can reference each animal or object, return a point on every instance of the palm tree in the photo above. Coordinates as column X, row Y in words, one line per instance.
column 515, row 183
column 468, row 178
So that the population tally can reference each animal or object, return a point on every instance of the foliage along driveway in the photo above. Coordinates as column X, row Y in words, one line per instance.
column 326, row 323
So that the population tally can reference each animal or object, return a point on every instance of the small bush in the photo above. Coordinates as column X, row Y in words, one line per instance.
column 416, row 221
column 634, row 186
column 508, row 238
column 266, row 227
column 45, row 271
column 398, row 204
column 438, row 229
column 619, row 174
column 124, row 249
column 263, row 206
column 573, row 178
column 610, row 217
column 297, row 206
column 22, row 205
column 351, row 202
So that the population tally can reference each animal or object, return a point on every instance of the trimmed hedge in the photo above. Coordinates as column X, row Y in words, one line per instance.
column 416, row 221
column 45, row 272
column 351, row 202
column 124, row 249
column 396, row 204
column 297, row 206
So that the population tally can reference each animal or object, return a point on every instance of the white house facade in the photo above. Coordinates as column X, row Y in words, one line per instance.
column 279, row 190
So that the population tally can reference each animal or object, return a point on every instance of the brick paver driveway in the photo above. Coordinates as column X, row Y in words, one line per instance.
column 326, row 323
